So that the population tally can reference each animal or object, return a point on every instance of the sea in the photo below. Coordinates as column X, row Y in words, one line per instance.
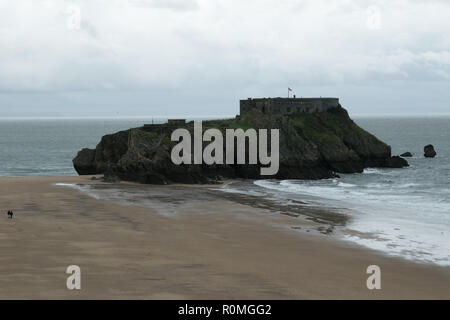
column 400, row 212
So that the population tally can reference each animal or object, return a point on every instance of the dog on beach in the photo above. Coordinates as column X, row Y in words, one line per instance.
column 10, row 214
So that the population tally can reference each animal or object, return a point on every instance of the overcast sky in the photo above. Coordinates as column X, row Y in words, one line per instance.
column 199, row 57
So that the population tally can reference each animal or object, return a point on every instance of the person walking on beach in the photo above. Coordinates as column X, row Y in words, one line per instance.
column 10, row 214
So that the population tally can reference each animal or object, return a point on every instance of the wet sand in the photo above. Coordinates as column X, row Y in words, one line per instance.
column 205, row 247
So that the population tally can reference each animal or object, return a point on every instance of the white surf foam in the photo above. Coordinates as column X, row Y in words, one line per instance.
column 397, row 219
column 82, row 188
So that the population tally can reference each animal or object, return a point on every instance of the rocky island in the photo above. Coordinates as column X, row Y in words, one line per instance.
column 317, row 139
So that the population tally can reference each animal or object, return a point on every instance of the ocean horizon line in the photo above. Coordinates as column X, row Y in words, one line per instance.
column 121, row 118
column 165, row 117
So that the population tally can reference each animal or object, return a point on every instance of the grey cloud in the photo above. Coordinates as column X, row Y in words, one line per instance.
column 155, row 61
column 87, row 26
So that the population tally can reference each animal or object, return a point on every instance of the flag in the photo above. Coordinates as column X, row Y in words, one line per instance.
column 289, row 89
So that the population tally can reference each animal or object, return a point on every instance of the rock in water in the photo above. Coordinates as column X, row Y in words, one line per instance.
column 406, row 155
column 396, row 162
column 312, row 146
column 429, row 151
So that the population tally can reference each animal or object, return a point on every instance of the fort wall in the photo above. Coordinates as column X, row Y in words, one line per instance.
column 288, row 105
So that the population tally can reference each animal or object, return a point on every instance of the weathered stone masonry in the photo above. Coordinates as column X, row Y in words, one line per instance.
column 288, row 105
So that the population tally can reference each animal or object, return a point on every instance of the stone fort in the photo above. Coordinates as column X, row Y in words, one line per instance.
column 288, row 105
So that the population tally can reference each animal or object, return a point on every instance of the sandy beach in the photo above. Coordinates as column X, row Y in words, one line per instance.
column 204, row 247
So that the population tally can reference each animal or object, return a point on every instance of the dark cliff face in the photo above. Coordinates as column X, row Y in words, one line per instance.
column 312, row 146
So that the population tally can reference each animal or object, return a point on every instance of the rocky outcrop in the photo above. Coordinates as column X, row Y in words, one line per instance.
column 429, row 151
column 312, row 146
column 85, row 163
column 406, row 155
column 396, row 162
